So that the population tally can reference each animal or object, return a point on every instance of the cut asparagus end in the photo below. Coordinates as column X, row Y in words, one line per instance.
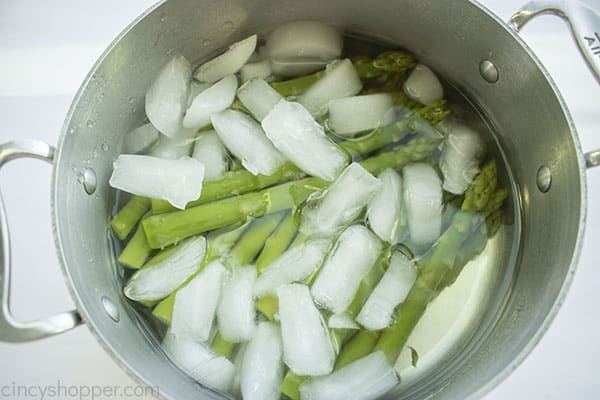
column 352, row 258
column 157, row 281
column 135, row 254
column 307, row 347
column 177, row 181
column 128, row 217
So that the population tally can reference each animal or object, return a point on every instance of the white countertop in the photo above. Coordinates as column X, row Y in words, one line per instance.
column 46, row 48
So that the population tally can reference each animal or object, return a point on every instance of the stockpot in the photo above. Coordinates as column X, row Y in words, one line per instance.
column 475, row 51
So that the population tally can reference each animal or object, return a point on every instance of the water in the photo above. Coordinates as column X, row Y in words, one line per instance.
column 455, row 320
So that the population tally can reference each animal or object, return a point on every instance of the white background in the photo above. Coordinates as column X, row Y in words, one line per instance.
column 47, row 47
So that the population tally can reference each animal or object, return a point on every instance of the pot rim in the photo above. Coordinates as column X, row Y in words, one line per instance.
column 121, row 361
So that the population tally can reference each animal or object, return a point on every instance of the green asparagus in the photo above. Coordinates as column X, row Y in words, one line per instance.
column 248, row 241
column 438, row 262
column 221, row 346
column 234, row 183
column 128, row 217
column 296, row 86
column 277, row 243
column 164, row 229
column 137, row 251
column 388, row 62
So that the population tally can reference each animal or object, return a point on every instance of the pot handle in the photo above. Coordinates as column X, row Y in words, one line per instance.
column 585, row 27
column 12, row 330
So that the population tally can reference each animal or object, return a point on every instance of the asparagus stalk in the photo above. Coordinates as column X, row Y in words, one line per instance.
column 361, row 344
column 218, row 245
column 350, row 350
column 296, row 86
column 240, row 181
column 128, row 217
column 395, row 61
column 221, row 346
column 243, row 244
column 253, row 239
column 291, row 384
column 137, row 251
column 235, row 182
column 277, row 243
column 437, row 263
column 164, row 229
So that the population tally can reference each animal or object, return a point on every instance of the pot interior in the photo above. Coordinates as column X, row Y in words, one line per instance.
column 521, row 111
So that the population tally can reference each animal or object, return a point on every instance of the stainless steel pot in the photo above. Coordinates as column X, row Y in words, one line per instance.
column 472, row 48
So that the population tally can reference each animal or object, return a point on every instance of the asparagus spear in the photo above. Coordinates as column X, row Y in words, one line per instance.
column 242, row 252
column 252, row 241
column 135, row 254
column 277, row 243
column 164, row 229
column 218, row 245
column 221, row 346
column 296, row 86
column 350, row 350
column 128, row 217
column 395, row 61
column 437, row 263
column 233, row 183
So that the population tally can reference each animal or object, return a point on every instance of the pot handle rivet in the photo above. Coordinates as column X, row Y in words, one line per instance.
column 544, row 179
column 12, row 330
column 111, row 309
column 89, row 180
column 489, row 71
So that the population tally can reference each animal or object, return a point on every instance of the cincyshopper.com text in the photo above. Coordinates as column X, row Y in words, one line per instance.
column 59, row 390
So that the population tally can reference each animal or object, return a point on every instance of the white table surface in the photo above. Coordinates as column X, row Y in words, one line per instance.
column 47, row 47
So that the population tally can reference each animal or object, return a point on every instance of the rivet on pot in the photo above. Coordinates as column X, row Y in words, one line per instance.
column 110, row 308
column 489, row 71
column 89, row 180
column 544, row 179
